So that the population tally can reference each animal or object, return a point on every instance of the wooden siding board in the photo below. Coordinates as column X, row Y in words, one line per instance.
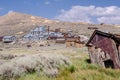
column 108, row 46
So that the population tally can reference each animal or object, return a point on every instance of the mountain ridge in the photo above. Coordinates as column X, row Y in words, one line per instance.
column 15, row 22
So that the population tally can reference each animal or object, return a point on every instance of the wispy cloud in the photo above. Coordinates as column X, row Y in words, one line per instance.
column 1, row 9
column 47, row 3
column 10, row 11
column 91, row 14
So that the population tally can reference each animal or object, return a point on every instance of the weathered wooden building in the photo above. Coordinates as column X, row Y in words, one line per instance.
column 78, row 44
column 38, row 33
column 60, row 40
column 74, row 42
column 70, row 41
column 104, row 49
column 59, row 30
column 92, row 28
column 8, row 39
column 55, row 35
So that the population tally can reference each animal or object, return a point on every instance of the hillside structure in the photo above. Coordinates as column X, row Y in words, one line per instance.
column 38, row 33
column 8, row 39
column 42, row 33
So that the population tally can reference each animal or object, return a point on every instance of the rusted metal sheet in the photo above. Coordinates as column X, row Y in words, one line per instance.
column 108, row 46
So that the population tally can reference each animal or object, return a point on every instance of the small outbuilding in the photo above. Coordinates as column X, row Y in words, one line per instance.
column 78, row 44
column 8, row 39
column 104, row 49
column 60, row 40
column 70, row 41
column 92, row 28
column 74, row 42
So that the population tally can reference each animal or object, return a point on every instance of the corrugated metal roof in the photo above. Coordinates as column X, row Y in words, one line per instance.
column 109, row 35
column 8, row 36
column 41, row 28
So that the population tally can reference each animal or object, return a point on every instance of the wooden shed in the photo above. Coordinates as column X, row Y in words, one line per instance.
column 92, row 28
column 60, row 40
column 1, row 38
column 74, row 42
column 69, row 41
column 78, row 44
column 104, row 49
column 8, row 39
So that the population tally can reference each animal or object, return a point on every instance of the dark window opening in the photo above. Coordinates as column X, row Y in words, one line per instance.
column 109, row 63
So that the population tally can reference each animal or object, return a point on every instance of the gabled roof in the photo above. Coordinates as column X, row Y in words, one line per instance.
column 8, row 36
column 115, row 37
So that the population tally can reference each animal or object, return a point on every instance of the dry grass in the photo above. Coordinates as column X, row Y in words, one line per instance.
column 80, row 69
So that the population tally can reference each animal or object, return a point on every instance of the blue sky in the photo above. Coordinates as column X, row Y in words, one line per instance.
column 66, row 10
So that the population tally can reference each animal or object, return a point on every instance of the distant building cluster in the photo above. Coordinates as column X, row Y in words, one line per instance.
column 43, row 33
column 38, row 33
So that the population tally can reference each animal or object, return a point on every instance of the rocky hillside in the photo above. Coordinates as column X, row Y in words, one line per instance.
column 15, row 23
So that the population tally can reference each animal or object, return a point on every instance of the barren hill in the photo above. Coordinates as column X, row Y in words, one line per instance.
column 15, row 23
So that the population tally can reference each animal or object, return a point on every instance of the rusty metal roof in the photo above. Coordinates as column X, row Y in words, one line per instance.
column 115, row 37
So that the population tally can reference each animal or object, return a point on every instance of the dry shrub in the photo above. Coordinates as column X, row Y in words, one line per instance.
column 3, row 61
column 42, row 64
column 6, row 71
column 6, row 56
